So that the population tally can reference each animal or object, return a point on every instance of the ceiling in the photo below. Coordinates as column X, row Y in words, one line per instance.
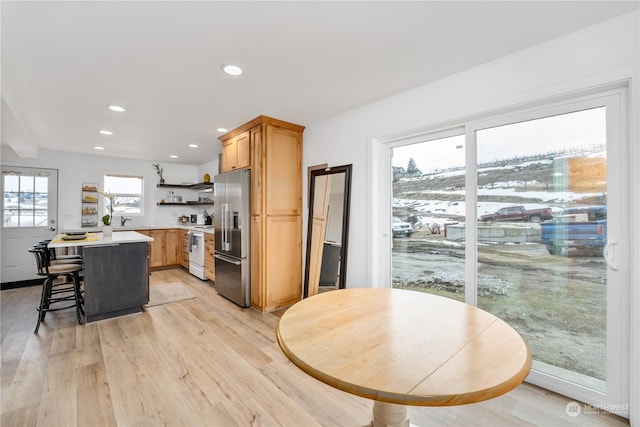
column 64, row 62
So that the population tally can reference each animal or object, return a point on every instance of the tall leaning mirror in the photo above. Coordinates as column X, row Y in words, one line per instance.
column 328, row 231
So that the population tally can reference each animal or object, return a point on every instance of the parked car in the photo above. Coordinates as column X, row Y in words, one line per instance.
column 581, row 228
column 401, row 228
column 517, row 213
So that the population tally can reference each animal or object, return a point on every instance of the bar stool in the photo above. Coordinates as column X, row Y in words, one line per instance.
column 54, row 256
column 58, row 292
column 53, row 259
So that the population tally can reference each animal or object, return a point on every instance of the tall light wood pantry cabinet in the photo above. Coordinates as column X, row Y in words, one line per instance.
column 276, row 210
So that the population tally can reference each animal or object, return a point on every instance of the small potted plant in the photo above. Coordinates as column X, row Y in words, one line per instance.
column 159, row 171
column 106, row 228
column 106, row 219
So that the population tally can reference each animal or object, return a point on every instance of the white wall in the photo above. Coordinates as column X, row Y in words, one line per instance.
column 600, row 54
column 74, row 169
column 596, row 56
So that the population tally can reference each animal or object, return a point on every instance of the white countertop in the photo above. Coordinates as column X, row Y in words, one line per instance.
column 116, row 229
column 97, row 239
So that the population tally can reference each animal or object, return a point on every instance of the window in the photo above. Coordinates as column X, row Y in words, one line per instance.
column 26, row 200
column 127, row 194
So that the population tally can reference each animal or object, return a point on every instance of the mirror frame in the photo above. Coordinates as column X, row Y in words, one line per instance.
column 346, row 169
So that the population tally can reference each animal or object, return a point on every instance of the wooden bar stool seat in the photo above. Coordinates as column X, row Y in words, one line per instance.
column 61, row 288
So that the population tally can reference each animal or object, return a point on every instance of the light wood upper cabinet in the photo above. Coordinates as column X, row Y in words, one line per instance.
column 282, row 192
column 257, row 170
column 276, row 207
column 236, row 152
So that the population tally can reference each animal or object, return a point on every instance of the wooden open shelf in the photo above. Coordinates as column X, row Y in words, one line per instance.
column 198, row 186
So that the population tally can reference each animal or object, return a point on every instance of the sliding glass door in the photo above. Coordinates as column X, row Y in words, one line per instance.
column 521, row 215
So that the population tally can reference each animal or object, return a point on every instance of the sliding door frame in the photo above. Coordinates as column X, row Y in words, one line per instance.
column 615, row 99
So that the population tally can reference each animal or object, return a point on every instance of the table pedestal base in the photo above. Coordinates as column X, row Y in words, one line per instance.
column 389, row 415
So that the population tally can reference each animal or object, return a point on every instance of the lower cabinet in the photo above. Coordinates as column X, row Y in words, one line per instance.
column 156, row 255
column 163, row 251
column 171, row 247
column 276, row 262
column 209, row 252
column 183, row 236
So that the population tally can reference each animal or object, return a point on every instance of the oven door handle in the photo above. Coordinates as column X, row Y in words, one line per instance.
column 228, row 259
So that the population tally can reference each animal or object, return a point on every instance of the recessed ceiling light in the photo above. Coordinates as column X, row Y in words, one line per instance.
column 193, row 145
column 98, row 148
column 222, row 130
column 106, row 132
column 117, row 108
column 173, row 156
column 232, row 70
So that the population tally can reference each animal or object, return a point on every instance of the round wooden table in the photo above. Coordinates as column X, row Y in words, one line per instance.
column 402, row 347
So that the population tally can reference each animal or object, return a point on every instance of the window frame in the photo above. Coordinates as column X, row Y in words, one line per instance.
column 32, row 173
column 117, row 194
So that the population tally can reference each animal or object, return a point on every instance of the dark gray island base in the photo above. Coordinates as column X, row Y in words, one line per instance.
column 116, row 280
column 116, row 273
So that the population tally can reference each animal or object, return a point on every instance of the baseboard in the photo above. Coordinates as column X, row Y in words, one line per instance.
column 20, row 284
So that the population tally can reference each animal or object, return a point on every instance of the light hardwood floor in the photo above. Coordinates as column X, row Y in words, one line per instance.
column 199, row 362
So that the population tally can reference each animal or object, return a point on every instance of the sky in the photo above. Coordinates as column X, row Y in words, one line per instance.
column 567, row 131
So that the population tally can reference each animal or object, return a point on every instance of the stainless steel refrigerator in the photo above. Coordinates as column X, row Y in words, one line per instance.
column 232, row 224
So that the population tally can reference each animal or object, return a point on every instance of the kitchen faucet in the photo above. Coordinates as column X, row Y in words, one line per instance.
column 123, row 220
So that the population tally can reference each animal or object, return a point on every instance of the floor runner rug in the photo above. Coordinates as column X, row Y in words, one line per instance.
column 166, row 293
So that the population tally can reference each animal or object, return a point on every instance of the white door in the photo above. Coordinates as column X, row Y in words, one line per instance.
column 29, row 213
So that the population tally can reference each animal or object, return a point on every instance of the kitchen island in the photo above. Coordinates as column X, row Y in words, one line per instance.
column 116, row 272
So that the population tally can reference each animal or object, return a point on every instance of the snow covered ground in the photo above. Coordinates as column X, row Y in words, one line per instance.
column 431, row 208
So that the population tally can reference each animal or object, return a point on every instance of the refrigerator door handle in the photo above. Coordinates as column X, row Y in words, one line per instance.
column 228, row 259
column 226, row 241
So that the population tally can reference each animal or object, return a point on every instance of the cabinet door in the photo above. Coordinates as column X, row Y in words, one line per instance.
column 228, row 155
column 209, row 251
column 184, row 254
column 283, row 265
column 236, row 152
column 156, row 257
column 257, row 170
column 171, row 247
column 243, row 150
column 257, row 261
column 283, row 172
